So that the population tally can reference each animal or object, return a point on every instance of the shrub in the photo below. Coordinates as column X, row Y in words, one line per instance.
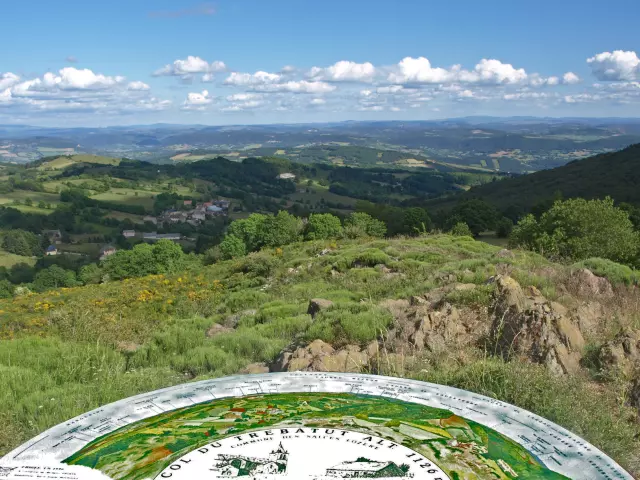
column 360, row 224
column 578, row 229
column 461, row 229
column 323, row 226
column 504, row 227
column 259, row 264
column 232, row 247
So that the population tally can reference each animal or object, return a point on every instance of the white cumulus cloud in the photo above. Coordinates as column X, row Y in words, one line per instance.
column 302, row 86
column 138, row 86
column 198, row 99
column 487, row 71
column 345, row 71
column 615, row 66
column 190, row 65
column 251, row 79
column 570, row 78
column 419, row 70
column 8, row 80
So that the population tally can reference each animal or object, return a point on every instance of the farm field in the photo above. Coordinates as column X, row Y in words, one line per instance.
column 8, row 260
column 22, row 195
column 128, row 196
column 65, row 161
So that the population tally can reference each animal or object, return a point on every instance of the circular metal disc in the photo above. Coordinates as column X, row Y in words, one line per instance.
column 309, row 425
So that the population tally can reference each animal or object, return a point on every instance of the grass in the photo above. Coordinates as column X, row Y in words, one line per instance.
column 317, row 192
column 8, row 260
column 67, row 344
column 65, row 161
column 128, row 196
column 22, row 195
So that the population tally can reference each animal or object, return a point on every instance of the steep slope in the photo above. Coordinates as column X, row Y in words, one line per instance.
column 611, row 174
column 428, row 307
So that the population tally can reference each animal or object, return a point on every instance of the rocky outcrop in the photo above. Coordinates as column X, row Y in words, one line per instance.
column 443, row 328
column 316, row 305
column 622, row 353
column 232, row 320
column 255, row 368
column 634, row 393
column 217, row 329
column 319, row 356
column 586, row 284
column 527, row 325
column 505, row 253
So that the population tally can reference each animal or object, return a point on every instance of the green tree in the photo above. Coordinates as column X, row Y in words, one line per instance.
column 89, row 274
column 249, row 230
column 232, row 247
column 21, row 273
column 6, row 289
column 504, row 226
column 21, row 242
column 280, row 229
column 360, row 224
column 477, row 214
column 168, row 257
column 461, row 229
column 137, row 262
column 416, row 220
column 54, row 277
column 578, row 229
column 323, row 226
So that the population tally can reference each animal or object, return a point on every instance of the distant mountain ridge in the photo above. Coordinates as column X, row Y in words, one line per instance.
column 614, row 174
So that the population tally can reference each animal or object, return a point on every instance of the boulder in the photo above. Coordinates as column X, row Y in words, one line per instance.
column 505, row 253
column 634, row 393
column 417, row 300
column 217, row 329
column 232, row 320
column 587, row 284
column 529, row 326
column 319, row 356
column 464, row 287
column 622, row 353
column 127, row 348
column 255, row 368
column 316, row 305
column 440, row 329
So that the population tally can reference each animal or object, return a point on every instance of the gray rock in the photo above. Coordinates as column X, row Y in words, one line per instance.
column 316, row 305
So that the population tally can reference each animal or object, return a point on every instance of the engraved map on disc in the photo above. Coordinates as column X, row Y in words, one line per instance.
column 309, row 426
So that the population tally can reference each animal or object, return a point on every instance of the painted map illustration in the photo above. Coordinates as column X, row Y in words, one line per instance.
column 315, row 426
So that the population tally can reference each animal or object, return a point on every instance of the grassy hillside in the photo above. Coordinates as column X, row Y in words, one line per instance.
column 70, row 350
column 63, row 162
column 614, row 174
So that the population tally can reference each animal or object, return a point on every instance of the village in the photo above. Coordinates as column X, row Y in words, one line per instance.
column 194, row 215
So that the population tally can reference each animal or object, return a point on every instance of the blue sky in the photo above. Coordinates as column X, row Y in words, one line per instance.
column 73, row 62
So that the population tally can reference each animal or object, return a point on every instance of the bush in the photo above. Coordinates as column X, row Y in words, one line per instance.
column 362, row 224
column 461, row 229
column 578, row 229
column 504, row 227
column 54, row 277
column 232, row 247
column 259, row 264
column 323, row 226
column 614, row 272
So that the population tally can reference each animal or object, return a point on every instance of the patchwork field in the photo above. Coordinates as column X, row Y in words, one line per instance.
column 8, row 260
column 65, row 161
